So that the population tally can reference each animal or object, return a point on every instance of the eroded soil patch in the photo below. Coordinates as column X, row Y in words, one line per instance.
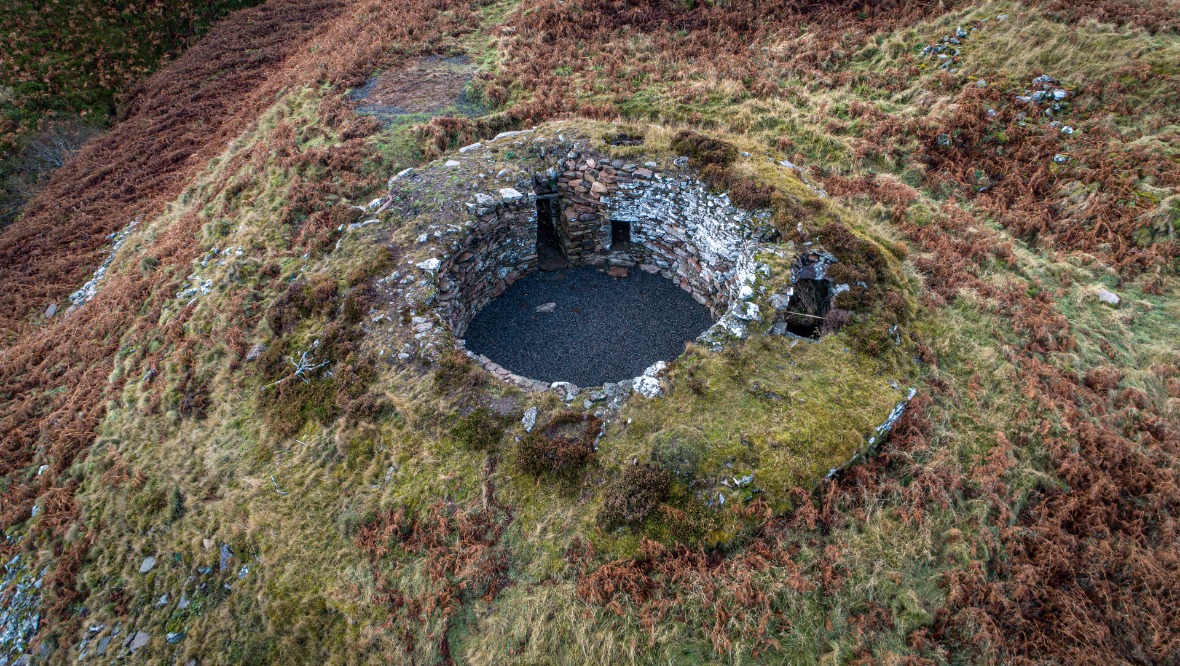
column 433, row 85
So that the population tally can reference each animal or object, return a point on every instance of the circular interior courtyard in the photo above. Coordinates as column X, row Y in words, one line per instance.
column 583, row 326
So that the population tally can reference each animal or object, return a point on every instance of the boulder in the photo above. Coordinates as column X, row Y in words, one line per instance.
column 1108, row 297
column 530, row 419
column 648, row 387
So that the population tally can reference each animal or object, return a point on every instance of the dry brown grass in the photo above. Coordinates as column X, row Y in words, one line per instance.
column 1084, row 571
column 54, row 378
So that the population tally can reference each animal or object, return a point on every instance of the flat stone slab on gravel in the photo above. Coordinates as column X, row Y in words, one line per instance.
column 603, row 329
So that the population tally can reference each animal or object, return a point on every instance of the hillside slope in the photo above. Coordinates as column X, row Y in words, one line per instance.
column 999, row 181
column 62, row 68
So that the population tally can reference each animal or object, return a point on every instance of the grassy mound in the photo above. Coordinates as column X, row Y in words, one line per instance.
column 234, row 402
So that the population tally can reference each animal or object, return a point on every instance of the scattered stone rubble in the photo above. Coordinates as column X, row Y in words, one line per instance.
column 1047, row 95
column 90, row 289
column 204, row 586
column 1047, row 99
column 20, row 614
column 946, row 50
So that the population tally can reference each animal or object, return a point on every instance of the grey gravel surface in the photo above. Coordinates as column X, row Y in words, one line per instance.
column 603, row 329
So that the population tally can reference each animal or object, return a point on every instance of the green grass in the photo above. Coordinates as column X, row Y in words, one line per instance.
column 290, row 506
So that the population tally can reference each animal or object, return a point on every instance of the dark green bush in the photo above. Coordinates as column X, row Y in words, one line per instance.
column 175, row 505
column 480, row 430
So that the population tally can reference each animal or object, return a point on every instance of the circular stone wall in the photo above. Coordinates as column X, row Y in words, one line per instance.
column 619, row 215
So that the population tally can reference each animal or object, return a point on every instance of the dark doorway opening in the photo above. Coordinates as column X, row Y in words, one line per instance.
column 620, row 233
column 808, row 307
column 550, row 255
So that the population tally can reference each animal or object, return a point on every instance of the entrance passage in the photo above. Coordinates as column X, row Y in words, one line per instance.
column 550, row 256
column 808, row 307
column 580, row 325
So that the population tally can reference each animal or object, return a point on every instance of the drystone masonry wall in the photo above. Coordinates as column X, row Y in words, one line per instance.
column 678, row 229
column 499, row 250
column 687, row 235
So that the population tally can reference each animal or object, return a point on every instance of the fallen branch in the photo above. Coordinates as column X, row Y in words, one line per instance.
column 303, row 366
column 802, row 314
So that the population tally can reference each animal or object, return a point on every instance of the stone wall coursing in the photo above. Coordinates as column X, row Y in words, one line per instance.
column 679, row 230
column 582, row 186
column 687, row 235
column 500, row 249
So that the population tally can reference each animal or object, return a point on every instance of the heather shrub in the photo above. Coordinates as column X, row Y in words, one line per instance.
column 747, row 193
column 560, row 449
column 860, row 260
column 317, row 296
column 703, row 150
column 836, row 319
column 715, row 158
column 356, row 304
column 288, row 308
column 456, row 373
column 634, row 496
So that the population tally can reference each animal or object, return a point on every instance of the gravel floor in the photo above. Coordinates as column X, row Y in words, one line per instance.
column 603, row 329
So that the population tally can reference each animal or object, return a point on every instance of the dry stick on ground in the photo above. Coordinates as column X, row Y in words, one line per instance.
column 303, row 366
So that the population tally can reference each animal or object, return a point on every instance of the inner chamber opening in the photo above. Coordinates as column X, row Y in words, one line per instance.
column 620, row 233
column 583, row 326
column 808, row 306
column 550, row 255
